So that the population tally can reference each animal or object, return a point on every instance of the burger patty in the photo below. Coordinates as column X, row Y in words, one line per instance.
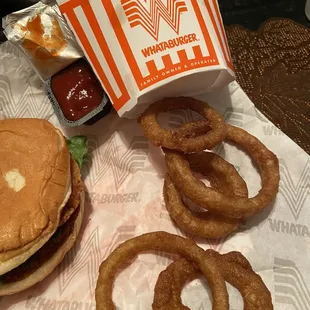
column 44, row 254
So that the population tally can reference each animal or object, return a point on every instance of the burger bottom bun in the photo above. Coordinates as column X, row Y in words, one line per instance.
column 44, row 270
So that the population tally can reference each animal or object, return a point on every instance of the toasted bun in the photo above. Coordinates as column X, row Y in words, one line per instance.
column 35, row 185
column 77, row 188
column 43, row 271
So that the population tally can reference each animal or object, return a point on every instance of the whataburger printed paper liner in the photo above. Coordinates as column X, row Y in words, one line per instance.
column 124, row 178
column 137, row 46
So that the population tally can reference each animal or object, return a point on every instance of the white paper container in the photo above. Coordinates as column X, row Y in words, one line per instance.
column 180, row 48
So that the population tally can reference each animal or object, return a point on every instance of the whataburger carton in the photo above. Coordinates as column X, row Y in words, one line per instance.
column 143, row 50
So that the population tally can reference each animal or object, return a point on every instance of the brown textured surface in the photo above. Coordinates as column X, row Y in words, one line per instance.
column 224, row 178
column 163, row 242
column 176, row 140
column 273, row 67
column 205, row 197
column 234, row 267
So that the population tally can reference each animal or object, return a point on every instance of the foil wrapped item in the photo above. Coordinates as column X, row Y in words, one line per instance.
column 44, row 36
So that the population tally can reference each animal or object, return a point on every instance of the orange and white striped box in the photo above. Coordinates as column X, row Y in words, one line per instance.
column 144, row 50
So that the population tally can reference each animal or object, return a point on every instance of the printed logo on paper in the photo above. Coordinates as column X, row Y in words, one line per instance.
column 150, row 17
column 269, row 128
column 289, row 228
column 86, row 257
column 164, row 53
column 159, row 39
column 122, row 234
column 296, row 192
column 156, row 39
column 290, row 285
column 103, row 198
column 100, row 160
column 40, row 303
column 29, row 104
column 297, row 196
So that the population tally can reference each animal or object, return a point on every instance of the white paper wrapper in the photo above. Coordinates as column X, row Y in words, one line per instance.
column 124, row 178
column 143, row 51
column 43, row 35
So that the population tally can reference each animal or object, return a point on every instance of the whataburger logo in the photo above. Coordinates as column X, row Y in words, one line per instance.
column 27, row 105
column 138, row 15
column 295, row 193
column 290, row 285
column 101, row 160
column 88, row 257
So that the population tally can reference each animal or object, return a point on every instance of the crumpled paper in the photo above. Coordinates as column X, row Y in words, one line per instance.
column 124, row 179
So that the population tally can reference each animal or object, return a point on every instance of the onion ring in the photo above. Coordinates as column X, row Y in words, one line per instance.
column 235, row 269
column 160, row 241
column 224, row 178
column 184, row 143
column 210, row 199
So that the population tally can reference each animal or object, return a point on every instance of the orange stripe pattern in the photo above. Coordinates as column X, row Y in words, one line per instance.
column 149, row 63
column 227, row 56
column 68, row 9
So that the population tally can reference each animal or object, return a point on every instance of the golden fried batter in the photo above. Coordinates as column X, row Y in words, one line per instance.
column 235, row 269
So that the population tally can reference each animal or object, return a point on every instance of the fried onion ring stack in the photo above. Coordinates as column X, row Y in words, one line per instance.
column 235, row 269
column 226, row 201
column 187, row 151
column 218, row 269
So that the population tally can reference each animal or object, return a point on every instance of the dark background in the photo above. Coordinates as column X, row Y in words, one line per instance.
column 252, row 13
column 248, row 13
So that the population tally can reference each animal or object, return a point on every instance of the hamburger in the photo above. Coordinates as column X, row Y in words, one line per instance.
column 41, row 198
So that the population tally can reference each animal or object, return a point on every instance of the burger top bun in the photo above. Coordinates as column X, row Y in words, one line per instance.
column 35, row 185
column 45, row 269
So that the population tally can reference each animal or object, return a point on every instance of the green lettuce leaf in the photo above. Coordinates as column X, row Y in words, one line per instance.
column 78, row 148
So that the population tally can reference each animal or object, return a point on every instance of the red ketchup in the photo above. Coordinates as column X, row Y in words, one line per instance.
column 77, row 90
